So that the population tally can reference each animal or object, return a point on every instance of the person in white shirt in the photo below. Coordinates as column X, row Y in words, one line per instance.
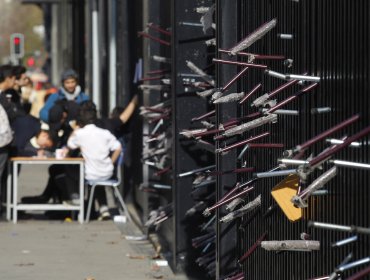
column 100, row 149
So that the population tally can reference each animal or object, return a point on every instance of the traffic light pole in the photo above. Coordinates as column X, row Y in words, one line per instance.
column 16, row 48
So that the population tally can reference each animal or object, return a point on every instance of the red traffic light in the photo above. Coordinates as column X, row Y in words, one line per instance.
column 16, row 40
column 17, row 45
column 30, row 62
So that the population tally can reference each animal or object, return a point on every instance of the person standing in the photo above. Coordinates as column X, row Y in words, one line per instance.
column 8, row 113
column 13, row 93
column 6, row 137
column 21, row 81
column 7, row 81
column 7, row 77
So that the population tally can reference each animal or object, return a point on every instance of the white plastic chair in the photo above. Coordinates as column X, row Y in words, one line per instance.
column 112, row 183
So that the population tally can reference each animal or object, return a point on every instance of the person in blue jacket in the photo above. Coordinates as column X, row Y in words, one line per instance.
column 69, row 91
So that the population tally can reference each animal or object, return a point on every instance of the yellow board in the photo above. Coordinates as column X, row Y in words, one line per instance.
column 283, row 193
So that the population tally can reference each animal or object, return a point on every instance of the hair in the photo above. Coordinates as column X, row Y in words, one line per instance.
column 69, row 74
column 51, row 135
column 6, row 71
column 18, row 71
column 87, row 105
column 87, row 113
column 43, row 131
column 117, row 111
column 56, row 112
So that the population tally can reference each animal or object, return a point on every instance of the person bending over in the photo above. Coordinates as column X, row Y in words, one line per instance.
column 40, row 146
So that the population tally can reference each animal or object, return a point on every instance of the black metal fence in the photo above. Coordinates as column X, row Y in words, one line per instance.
column 330, row 39
column 327, row 39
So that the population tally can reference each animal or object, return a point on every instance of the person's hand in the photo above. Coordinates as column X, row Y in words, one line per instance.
column 61, row 153
column 73, row 124
column 41, row 153
column 65, row 151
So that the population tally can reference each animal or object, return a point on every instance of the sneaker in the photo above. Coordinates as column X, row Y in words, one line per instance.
column 104, row 214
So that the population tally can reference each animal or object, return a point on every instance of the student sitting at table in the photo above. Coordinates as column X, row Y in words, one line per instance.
column 62, row 178
column 100, row 149
column 63, row 181
column 31, row 138
column 41, row 145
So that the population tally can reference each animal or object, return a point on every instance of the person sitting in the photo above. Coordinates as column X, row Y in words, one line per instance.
column 63, row 179
column 100, row 149
column 61, row 116
column 30, row 136
column 41, row 145
column 58, row 110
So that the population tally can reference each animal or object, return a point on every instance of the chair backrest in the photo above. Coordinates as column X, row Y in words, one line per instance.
column 118, row 166
column 120, row 159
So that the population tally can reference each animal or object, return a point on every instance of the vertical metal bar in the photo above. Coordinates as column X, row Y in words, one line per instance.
column 81, row 215
column 55, row 66
column 9, row 190
column 112, row 12
column 95, row 54
column 15, row 191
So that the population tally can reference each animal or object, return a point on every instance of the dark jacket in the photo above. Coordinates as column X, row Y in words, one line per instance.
column 25, row 128
column 12, row 109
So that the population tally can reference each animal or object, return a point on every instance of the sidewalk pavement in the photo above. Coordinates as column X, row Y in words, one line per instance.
column 44, row 250
column 37, row 249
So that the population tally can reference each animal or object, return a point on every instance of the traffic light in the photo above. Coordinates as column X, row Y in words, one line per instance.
column 17, row 45
column 31, row 61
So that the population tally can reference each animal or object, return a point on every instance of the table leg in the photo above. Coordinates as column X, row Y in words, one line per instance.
column 82, row 196
column 8, row 191
column 15, row 191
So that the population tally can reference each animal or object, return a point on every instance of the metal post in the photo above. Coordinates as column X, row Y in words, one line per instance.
column 112, row 53
column 54, row 45
column 95, row 54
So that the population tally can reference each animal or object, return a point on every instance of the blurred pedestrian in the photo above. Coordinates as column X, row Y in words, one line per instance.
column 20, row 77
column 7, row 81
column 14, row 93
column 6, row 137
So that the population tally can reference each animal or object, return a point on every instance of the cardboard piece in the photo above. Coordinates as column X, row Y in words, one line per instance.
column 283, row 193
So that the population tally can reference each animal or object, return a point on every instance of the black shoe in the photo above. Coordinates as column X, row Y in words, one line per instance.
column 24, row 216
column 104, row 214
column 40, row 199
column 57, row 215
